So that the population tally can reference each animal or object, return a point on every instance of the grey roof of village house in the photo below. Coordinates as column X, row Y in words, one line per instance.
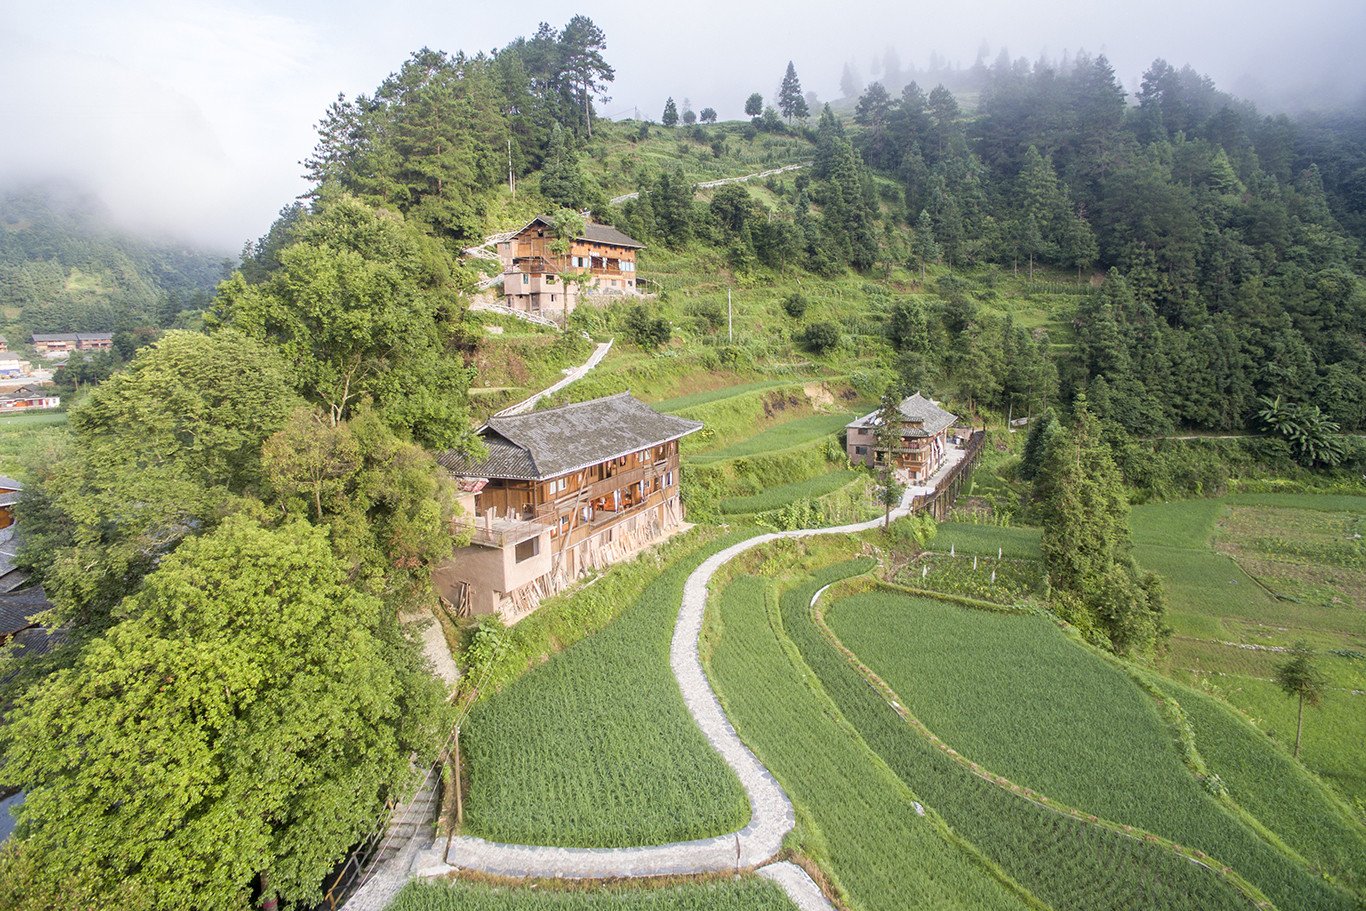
column 18, row 608
column 69, row 336
column 916, row 408
column 598, row 234
column 547, row 444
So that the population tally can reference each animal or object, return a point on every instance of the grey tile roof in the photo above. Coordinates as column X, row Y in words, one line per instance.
column 595, row 233
column 547, row 444
column 8, row 483
column 17, row 607
column 916, row 409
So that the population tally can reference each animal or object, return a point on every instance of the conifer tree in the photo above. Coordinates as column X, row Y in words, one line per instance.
column 926, row 250
column 670, row 117
column 791, row 101
column 888, row 441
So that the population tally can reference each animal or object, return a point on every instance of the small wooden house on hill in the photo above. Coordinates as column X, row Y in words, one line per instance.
column 923, row 444
column 58, row 343
column 561, row 492
column 533, row 274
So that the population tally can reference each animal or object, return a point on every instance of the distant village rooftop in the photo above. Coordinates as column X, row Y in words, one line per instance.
column 550, row 443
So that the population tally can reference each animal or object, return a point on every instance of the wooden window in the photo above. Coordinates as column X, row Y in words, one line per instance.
column 527, row 549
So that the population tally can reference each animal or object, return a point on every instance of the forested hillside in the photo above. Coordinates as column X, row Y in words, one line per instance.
column 65, row 268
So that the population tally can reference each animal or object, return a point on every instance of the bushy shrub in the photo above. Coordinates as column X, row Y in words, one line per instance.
column 645, row 329
column 794, row 305
column 820, row 337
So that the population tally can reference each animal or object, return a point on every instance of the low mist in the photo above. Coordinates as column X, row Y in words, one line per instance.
column 189, row 119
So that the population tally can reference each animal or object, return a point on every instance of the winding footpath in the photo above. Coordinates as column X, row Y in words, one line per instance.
column 752, row 847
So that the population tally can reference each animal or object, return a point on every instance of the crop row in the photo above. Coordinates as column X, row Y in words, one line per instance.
column 856, row 817
column 1005, row 581
column 747, row 894
column 595, row 748
column 1016, row 695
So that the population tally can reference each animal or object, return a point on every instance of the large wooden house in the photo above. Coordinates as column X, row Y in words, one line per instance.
column 562, row 492
column 923, row 440
column 55, row 344
column 534, row 275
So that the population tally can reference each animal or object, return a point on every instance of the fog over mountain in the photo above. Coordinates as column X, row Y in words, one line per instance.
column 190, row 118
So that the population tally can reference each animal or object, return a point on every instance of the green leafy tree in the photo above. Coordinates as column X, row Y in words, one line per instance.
column 926, row 250
column 158, row 452
column 1299, row 678
column 364, row 304
column 1094, row 582
column 754, row 105
column 795, row 304
column 670, row 117
column 1311, row 435
column 562, row 179
column 708, row 115
column 888, row 442
column 791, row 101
column 239, row 727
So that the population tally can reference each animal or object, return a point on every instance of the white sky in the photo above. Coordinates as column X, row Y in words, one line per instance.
column 190, row 117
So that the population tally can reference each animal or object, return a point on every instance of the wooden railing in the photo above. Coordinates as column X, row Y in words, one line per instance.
column 941, row 501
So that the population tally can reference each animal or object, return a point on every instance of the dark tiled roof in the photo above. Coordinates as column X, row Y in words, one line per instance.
column 916, row 409
column 54, row 337
column 8, row 483
column 594, row 233
column 37, row 640
column 547, row 444
column 16, row 609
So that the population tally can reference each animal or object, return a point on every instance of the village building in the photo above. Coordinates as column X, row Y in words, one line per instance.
column 28, row 398
column 561, row 493
column 12, row 366
column 4, row 343
column 603, row 259
column 924, row 440
column 59, row 343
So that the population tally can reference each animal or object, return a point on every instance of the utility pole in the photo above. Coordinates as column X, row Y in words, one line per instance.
column 730, row 318
column 512, row 180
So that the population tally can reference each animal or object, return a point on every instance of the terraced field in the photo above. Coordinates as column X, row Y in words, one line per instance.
column 1010, row 691
column 595, row 747
column 1251, row 574
column 782, row 436
column 783, row 494
column 1068, row 863
column 854, row 814
column 26, row 437
column 746, row 894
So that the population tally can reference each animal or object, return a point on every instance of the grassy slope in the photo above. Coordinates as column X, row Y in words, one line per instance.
column 783, row 494
column 856, row 816
column 787, row 435
column 25, row 438
column 1008, row 690
column 595, row 747
column 747, row 894
column 1213, row 602
column 1070, row 864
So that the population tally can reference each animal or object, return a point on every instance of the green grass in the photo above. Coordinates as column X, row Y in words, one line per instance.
column 749, row 893
column 595, row 748
column 1007, row 581
column 783, row 494
column 1300, row 547
column 986, row 539
column 1277, row 790
column 707, row 396
column 781, row 436
column 29, row 438
column 1070, row 864
column 1008, row 690
column 855, row 815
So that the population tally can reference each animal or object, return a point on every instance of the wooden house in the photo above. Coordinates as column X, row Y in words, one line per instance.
column 561, row 492
column 52, row 344
column 924, row 440
column 534, row 275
